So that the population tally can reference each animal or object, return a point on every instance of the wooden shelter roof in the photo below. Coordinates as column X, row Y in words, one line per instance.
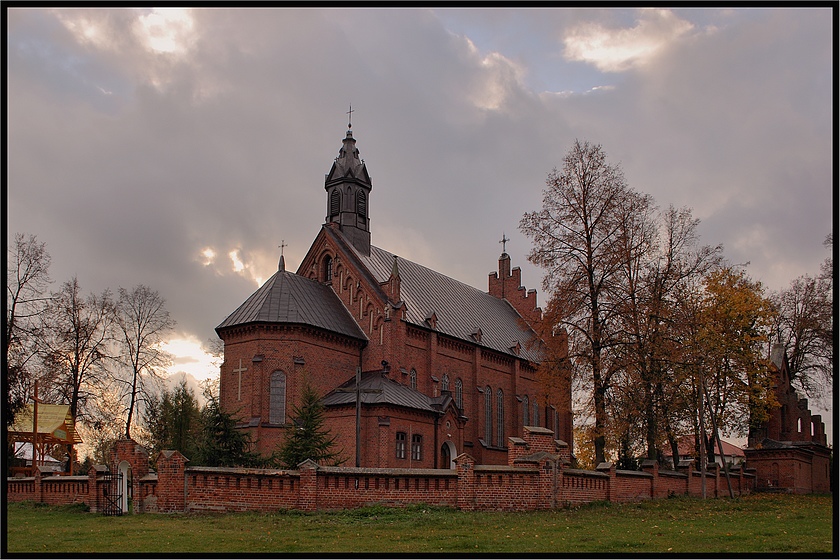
column 55, row 424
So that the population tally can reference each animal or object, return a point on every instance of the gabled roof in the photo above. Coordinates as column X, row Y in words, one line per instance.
column 387, row 390
column 289, row 298
column 459, row 308
column 686, row 448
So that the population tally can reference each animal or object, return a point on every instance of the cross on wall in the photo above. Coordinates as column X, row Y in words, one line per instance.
column 239, row 370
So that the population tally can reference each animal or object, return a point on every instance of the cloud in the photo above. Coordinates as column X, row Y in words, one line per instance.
column 612, row 50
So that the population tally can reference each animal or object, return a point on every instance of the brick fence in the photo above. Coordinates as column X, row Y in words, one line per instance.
column 536, row 477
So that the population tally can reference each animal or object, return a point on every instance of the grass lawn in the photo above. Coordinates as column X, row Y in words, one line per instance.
column 760, row 523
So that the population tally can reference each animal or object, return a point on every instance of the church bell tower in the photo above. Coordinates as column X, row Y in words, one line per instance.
column 348, row 187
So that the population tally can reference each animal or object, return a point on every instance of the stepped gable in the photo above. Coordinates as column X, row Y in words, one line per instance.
column 459, row 308
column 292, row 299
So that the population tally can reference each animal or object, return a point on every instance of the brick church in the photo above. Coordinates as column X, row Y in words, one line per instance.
column 445, row 368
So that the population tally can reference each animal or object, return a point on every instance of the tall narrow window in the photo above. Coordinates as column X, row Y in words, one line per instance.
column 525, row 406
column 361, row 204
column 444, row 384
column 277, row 398
column 488, row 415
column 556, row 424
column 416, row 447
column 459, row 393
column 335, row 202
column 328, row 272
column 536, row 412
column 412, row 378
column 400, row 445
column 500, row 418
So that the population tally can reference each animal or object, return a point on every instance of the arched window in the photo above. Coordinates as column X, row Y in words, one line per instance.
column 444, row 385
column 412, row 378
column 277, row 398
column 328, row 269
column 459, row 393
column 361, row 204
column 488, row 415
column 500, row 418
column 335, row 202
column 525, row 411
column 536, row 412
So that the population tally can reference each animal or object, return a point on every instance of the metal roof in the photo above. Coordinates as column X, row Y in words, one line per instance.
column 460, row 309
column 54, row 420
column 388, row 392
column 289, row 298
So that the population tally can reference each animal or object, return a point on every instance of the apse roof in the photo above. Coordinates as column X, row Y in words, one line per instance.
column 289, row 298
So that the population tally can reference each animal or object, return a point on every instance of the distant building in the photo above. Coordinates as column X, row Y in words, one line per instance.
column 789, row 452
column 733, row 455
column 446, row 368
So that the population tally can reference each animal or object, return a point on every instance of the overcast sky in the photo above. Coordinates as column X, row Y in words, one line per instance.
column 178, row 148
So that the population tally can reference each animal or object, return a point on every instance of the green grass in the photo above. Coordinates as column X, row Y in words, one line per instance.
column 758, row 523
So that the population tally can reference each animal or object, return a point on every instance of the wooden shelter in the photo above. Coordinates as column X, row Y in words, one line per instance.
column 55, row 426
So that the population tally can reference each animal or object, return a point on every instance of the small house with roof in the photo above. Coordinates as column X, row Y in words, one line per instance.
column 445, row 368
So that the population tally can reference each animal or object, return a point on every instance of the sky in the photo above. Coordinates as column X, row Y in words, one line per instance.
column 179, row 148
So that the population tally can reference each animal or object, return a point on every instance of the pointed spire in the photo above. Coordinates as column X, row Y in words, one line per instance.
column 282, row 266
column 395, row 269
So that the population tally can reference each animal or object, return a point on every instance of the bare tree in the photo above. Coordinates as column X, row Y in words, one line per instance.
column 76, row 333
column 27, row 280
column 143, row 322
column 804, row 324
column 662, row 260
column 577, row 239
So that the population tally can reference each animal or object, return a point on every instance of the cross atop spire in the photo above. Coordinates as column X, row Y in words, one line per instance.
column 350, row 117
column 282, row 265
column 504, row 243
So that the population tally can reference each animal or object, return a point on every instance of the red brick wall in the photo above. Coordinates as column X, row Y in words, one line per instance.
column 225, row 489
column 580, row 487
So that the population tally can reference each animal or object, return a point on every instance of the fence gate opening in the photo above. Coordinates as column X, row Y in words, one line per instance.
column 112, row 491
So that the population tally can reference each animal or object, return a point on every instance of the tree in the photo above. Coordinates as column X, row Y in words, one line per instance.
column 307, row 438
column 143, row 322
column 662, row 257
column 27, row 279
column 804, row 324
column 577, row 239
column 734, row 322
column 222, row 443
column 174, row 421
column 74, row 345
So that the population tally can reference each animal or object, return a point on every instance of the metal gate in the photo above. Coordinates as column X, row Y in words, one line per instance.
column 112, row 492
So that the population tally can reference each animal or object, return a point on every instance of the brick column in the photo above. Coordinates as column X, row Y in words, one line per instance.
column 651, row 466
column 172, row 482
column 465, row 492
column 308, row 495
column 38, row 494
column 547, row 483
column 609, row 469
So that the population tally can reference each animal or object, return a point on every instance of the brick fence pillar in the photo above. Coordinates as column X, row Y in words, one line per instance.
column 612, row 490
column 172, row 482
column 465, row 491
column 38, row 494
column 651, row 466
column 548, row 481
column 308, row 495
